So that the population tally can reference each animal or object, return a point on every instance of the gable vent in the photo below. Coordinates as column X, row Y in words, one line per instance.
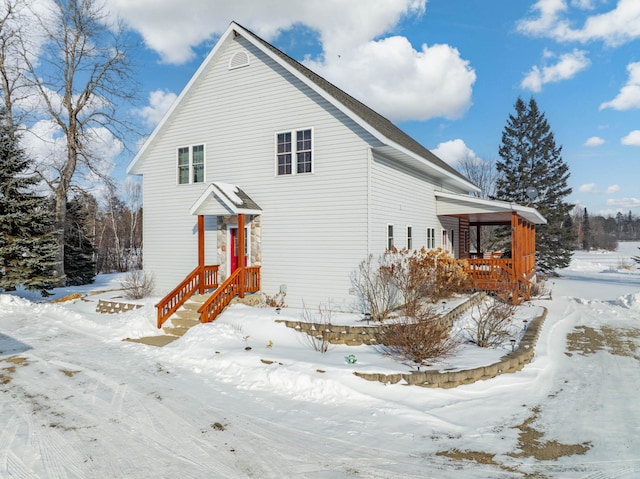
column 239, row 59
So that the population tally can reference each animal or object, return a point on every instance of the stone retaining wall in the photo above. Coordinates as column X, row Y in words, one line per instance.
column 509, row 363
column 358, row 335
column 114, row 307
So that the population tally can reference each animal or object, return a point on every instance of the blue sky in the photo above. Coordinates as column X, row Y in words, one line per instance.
column 446, row 71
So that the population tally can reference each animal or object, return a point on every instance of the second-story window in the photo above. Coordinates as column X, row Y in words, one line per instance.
column 191, row 164
column 294, row 152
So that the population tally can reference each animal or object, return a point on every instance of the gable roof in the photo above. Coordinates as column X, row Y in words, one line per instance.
column 224, row 199
column 376, row 124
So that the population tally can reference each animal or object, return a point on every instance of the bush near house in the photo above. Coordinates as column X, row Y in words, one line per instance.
column 406, row 280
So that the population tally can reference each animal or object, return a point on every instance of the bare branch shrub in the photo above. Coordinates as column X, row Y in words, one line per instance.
column 540, row 289
column 319, row 339
column 423, row 275
column 491, row 323
column 376, row 291
column 137, row 284
column 418, row 339
column 275, row 301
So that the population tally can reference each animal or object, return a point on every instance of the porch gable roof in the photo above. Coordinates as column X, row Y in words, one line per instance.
column 224, row 199
column 484, row 211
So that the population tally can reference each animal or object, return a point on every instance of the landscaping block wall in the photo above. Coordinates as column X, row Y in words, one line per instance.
column 509, row 363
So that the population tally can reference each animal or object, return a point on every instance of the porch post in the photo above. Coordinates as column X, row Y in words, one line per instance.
column 516, row 248
column 241, row 255
column 201, row 252
column 478, row 241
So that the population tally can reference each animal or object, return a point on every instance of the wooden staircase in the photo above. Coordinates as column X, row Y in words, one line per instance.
column 205, row 307
column 186, row 316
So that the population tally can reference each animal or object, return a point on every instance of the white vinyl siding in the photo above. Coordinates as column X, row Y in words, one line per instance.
column 399, row 196
column 313, row 227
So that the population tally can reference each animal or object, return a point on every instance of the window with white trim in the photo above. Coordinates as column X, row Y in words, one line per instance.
column 294, row 152
column 389, row 237
column 191, row 164
column 431, row 238
column 409, row 238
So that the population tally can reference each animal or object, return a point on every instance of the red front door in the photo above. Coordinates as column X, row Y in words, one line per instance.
column 234, row 249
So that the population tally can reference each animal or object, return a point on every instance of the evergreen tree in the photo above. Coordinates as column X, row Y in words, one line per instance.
column 79, row 264
column 530, row 162
column 28, row 247
column 586, row 231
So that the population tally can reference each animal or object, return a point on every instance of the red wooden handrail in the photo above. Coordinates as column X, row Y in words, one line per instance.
column 200, row 279
column 222, row 296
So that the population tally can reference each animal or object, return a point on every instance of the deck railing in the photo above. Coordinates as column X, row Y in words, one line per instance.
column 198, row 281
column 228, row 290
column 499, row 275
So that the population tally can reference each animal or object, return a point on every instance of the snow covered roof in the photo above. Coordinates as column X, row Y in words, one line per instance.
column 224, row 199
column 484, row 211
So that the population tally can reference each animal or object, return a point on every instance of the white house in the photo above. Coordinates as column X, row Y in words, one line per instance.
column 319, row 180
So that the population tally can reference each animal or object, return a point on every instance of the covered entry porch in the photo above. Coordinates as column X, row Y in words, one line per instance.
column 507, row 273
column 234, row 211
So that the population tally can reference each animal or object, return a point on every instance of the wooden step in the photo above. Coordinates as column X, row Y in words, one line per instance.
column 181, row 322
column 186, row 314
column 175, row 331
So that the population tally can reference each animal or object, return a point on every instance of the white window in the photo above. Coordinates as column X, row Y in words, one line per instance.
column 452, row 237
column 294, row 152
column 409, row 238
column 191, row 164
column 389, row 237
column 431, row 238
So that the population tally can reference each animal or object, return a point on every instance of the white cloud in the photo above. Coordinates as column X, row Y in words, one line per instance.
column 174, row 28
column 632, row 139
column 591, row 188
column 594, row 141
column 625, row 203
column 454, row 152
column 568, row 66
column 393, row 78
column 587, row 188
column 159, row 103
column 387, row 73
column 615, row 27
column 629, row 96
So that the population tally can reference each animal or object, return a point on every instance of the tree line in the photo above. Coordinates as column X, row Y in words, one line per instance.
column 604, row 232
column 99, row 236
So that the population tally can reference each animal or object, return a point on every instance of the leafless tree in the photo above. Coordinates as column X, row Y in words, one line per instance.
column 481, row 173
column 12, row 76
column 81, row 73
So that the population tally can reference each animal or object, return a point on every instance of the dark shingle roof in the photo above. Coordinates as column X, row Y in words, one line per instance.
column 377, row 121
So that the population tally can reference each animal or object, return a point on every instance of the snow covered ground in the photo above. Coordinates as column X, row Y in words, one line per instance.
column 78, row 402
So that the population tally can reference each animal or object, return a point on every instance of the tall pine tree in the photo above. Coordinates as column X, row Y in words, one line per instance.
column 586, row 231
column 28, row 245
column 530, row 162
column 79, row 263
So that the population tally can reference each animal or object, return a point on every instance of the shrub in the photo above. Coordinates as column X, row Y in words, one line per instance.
column 376, row 291
column 137, row 284
column 319, row 340
column 419, row 339
column 490, row 325
column 275, row 301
